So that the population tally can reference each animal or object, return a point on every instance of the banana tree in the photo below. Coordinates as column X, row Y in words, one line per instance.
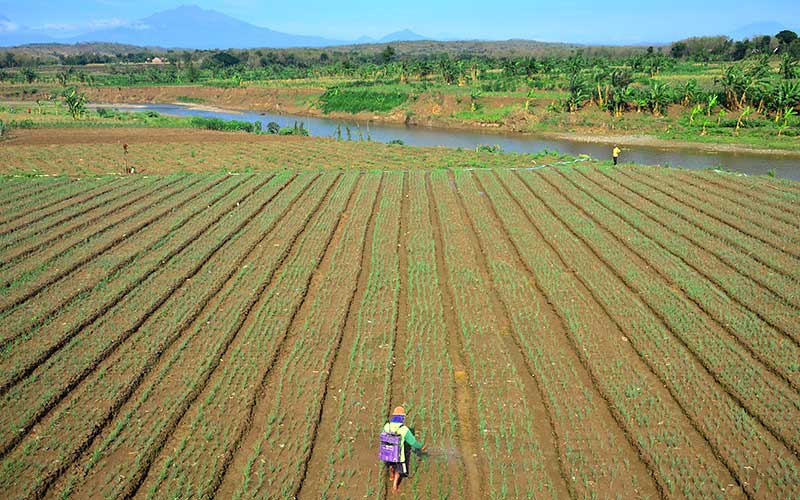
column 788, row 113
column 695, row 111
column 76, row 102
column 784, row 95
column 710, row 103
column 658, row 97
column 788, row 68
column 689, row 92
column 747, row 111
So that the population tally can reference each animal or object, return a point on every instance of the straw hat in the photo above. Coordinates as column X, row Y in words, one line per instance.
column 399, row 411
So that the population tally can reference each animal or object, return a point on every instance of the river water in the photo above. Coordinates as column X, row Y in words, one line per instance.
column 752, row 164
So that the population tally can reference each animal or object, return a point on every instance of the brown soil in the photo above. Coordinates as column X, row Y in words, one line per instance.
column 129, row 367
column 59, row 136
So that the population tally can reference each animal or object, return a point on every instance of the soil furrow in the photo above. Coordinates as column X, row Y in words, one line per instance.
column 765, row 211
column 770, row 383
column 533, row 393
column 506, row 405
column 113, row 381
column 628, row 379
column 18, row 400
column 761, row 217
column 357, row 396
column 744, row 277
column 41, row 250
column 300, row 277
column 769, row 256
column 475, row 464
column 693, row 375
column 39, row 270
column 21, row 355
column 71, row 188
column 49, row 298
column 227, row 315
column 766, row 194
column 733, row 218
column 567, row 387
column 18, row 244
column 747, row 305
column 45, row 209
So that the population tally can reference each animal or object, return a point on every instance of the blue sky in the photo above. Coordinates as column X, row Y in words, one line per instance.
column 621, row 21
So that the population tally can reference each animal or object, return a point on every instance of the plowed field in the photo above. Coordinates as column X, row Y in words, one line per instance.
column 574, row 332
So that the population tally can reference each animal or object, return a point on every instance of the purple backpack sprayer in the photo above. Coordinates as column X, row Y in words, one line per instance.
column 390, row 447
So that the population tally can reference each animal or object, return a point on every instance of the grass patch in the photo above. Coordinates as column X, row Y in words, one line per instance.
column 189, row 100
column 356, row 100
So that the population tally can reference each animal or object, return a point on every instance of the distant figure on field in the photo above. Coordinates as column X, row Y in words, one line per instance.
column 394, row 438
column 615, row 154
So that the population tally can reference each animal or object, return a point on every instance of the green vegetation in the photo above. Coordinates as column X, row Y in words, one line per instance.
column 357, row 99
column 190, row 100
column 702, row 89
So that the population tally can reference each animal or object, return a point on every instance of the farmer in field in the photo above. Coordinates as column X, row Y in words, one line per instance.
column 394, row 438
column 615, row 154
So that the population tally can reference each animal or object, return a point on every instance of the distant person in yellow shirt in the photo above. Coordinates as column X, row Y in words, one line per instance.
column 615, row 154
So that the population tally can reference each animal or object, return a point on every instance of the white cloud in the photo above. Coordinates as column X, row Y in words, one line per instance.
column 7, row 26
column 92, row 25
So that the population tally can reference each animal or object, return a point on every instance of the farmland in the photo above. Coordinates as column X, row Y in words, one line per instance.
column 568, row 332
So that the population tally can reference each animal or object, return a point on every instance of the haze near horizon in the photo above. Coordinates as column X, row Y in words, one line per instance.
column 573, row 21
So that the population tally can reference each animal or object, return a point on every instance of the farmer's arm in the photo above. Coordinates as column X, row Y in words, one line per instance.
column 411, row 440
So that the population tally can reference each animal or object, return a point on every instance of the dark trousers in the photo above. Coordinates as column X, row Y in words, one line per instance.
column 615, row 159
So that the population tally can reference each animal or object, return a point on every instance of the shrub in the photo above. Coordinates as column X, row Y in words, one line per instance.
column 488, row 148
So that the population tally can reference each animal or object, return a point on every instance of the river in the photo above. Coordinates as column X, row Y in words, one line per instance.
column 747, row 163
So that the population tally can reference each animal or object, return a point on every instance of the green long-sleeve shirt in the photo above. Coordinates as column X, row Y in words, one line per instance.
column 406, row 436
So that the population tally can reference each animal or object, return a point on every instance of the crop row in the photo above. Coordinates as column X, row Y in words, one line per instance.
column 725, row 213
column 764, row 394
column 595, row 457
column 766, row 211
column 650, row 415
column 90, row 265
column 32, row 329
column 771, row 295
column 280, row 414
column 357, row 397
column 42, row 194
column 762, row 191
column 69, row 252
column 668, row 334
column 27, row 258
column 15, row 189
column 775, row 261
column 77, row 390
column 207, row 345
column 763, row 321
column 424, row 378
column 50, row 203
column 31, row 237
column 505, row 398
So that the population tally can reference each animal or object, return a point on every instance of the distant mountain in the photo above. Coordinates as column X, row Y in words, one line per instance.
column 402, row 36
column 190, row 26
column 756, row 29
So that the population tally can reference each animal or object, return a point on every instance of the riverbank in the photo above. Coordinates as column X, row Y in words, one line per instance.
column 447, row 113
